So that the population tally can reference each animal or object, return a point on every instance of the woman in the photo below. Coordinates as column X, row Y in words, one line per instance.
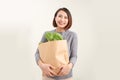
column 62, row 22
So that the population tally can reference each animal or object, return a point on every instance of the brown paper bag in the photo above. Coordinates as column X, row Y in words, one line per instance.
column 54, row 53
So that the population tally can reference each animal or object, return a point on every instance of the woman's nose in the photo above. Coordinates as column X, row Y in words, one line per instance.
column 62, row 19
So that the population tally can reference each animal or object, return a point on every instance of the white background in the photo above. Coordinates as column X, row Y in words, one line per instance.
column 97, row 23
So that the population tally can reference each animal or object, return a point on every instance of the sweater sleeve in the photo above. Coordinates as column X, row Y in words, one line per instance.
column 37, row 57
column 74, row 45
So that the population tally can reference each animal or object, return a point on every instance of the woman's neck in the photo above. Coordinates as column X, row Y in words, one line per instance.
column 60, row 30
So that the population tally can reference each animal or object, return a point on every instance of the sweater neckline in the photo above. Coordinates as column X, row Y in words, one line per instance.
column 60, row 32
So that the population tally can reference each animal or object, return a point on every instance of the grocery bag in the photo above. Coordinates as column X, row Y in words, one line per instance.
column 54, row 53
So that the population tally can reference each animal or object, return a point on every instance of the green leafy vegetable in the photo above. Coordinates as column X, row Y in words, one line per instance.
column 51, row 36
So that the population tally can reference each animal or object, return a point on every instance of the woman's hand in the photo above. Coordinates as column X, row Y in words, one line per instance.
column 47, row 69
column 65, row 69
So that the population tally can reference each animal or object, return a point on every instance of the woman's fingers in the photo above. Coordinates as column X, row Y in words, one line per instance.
column 51, row 67
column 48, row 74
column 60, row 73
column 64, row 70
column 50, row 71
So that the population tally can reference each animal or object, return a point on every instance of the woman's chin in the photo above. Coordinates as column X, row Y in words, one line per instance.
column 61, row 26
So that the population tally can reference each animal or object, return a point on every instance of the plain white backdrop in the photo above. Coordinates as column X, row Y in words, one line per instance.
column 23, row 22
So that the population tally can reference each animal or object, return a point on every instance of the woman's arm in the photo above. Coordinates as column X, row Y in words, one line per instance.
column 73, row 47
column 37, row 57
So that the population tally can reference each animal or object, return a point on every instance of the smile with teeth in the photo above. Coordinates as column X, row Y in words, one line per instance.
column 61, row 23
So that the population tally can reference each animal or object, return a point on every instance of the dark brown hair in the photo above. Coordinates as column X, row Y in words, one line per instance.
column 69, row 18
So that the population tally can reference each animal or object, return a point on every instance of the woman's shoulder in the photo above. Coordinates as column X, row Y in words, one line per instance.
column 73, row 33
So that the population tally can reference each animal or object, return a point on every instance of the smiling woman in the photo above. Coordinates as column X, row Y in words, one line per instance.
column 62, row 22
column 62, row 19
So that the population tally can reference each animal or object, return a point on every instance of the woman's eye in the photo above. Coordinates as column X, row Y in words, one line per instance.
column 60, row 16
column 66, row 17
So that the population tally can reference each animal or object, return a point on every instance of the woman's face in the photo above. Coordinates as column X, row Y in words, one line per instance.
column 61, row 19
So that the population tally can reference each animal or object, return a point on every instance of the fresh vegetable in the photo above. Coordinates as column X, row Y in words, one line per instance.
column 57, row 36
column 51, row 36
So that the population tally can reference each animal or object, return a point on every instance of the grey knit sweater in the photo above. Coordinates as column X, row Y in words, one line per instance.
column 72, row 42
